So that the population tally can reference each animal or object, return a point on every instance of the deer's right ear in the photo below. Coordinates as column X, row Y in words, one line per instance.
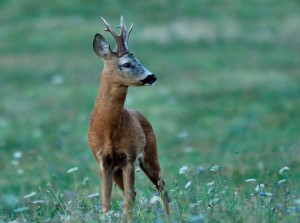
column 101, row 47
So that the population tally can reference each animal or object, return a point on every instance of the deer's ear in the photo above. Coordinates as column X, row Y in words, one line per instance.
column 101, row 47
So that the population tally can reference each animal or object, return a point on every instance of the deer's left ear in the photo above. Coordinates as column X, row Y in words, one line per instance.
column 101, row 47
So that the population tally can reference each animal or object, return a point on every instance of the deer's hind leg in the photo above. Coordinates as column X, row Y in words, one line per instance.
column 149, row 161
column 152, row 169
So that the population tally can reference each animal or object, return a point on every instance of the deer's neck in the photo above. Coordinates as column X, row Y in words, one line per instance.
column 109, row 105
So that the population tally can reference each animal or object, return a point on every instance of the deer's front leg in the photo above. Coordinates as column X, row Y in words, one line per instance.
column 106, row 172
column 129, row 193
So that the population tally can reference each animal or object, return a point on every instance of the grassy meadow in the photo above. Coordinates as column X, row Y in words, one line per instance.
column 225, row 108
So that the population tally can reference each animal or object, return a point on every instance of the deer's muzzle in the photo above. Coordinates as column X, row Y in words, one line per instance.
column 149, row 80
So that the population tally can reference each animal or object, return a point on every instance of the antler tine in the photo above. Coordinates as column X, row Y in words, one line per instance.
column 124, row 33
column 109, row 29
column 120, row 40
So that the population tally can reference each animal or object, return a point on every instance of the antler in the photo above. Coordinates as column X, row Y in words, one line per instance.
column 122, row 39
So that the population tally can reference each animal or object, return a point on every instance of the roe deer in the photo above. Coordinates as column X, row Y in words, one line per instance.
column 121, row 138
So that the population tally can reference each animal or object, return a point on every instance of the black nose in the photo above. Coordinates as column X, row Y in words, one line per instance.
column 150, row 79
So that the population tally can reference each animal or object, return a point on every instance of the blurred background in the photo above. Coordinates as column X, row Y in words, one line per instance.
column 227, row 93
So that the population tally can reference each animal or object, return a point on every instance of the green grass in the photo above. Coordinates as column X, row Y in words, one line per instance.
column 227, row 93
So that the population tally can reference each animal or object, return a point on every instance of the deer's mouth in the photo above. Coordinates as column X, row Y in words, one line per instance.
column 149, row 80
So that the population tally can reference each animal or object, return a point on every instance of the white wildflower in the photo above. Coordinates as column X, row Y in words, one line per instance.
column 15, row 162
column 250, row 180
column 117, row 214
column 283, row 169
column 85, row 180
column 21, row 209
column 297, row 201
column 269, row 194
column 214, row 201
column 188, row 185
column 57, row 80
column 281, row 181
column 72, row 170
column 259, row 187
column 215, row 168
column 210, row 184
column 182, row 134
column 17, row 154
column 38, row 202
column 154, row 199
column 20, row 171
column 30, row 195
column 188, row 149
column 184, row 169
column 143, row 200
column 64, row 218
column 93, row 195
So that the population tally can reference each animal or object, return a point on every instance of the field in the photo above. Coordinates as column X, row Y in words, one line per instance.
column 225, row 108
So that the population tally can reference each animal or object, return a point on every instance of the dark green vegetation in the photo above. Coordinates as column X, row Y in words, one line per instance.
column 228, row 93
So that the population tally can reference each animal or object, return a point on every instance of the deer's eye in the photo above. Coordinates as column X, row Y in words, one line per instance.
column 127, row 65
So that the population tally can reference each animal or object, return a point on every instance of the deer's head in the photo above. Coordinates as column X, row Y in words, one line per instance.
column 121, row 63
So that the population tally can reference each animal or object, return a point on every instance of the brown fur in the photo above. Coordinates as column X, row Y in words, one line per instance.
column 117, row 136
